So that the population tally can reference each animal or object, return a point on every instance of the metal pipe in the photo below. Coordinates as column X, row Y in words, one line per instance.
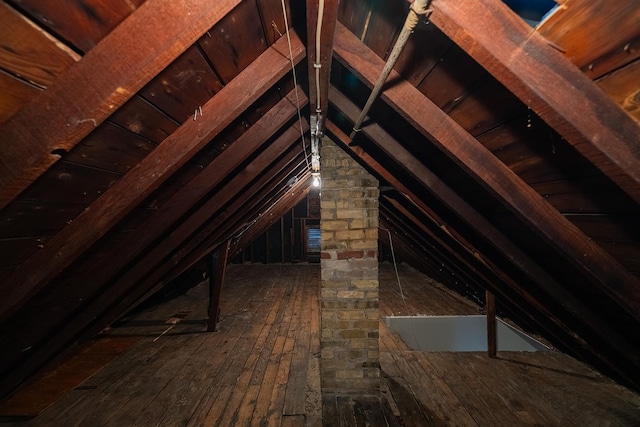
column 418, row 7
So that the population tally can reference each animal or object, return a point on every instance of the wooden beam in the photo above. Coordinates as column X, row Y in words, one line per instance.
column 458, row 206
column 260, row 165
column 229, row 222
column 598, row 36
column 492, row 337
column 546, row 81
column 102, row 81
column 606, row 273
column 148, row 175
column 276, row 210
column 178, row 205
column 319, row 77
column 156, row 281
column 466, row 213
column 100, row 312
column 216, row 265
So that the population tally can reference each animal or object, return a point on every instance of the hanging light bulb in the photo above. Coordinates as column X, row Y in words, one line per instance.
column 316, row 179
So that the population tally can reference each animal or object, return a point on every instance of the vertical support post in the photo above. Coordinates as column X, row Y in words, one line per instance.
column 492, row 346
column 216, row 266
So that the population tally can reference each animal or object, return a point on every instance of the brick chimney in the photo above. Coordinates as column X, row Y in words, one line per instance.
column 349, row 263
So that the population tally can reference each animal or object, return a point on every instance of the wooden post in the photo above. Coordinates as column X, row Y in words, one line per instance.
column 492, row 346
column 216, row 266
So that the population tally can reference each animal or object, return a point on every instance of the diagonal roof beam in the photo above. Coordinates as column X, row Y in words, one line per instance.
column 105, row 307
column 262, row 164
column 469, row 215
column 608, row 275
column 546, row 81
column 148, row 175
column 179, row 259
column 102, row 81
column 254, row 140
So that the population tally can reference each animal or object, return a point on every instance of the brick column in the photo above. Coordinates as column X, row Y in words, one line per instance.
column 349, row 263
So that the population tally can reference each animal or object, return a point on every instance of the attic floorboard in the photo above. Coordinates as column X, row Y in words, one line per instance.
column 262, row 367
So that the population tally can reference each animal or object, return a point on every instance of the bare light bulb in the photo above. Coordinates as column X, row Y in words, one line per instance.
column 316, row 181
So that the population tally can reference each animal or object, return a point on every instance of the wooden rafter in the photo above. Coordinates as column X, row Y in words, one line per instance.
column 180, row 203
column 112, row 302
column 608, row 275
column 145, row 267
column 183, row 259
column 101, row 82
column 546, row 81
column 149, row 174
column 493, row 236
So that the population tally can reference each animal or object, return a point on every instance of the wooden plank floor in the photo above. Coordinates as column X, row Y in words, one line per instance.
column 262, row 368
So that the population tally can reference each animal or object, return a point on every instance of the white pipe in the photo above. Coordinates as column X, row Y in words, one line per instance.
column 418, row 7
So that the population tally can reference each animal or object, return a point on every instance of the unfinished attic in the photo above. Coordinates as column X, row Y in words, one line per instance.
column 211, row 211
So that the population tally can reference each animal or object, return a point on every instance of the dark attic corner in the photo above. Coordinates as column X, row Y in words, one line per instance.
column 320, row 213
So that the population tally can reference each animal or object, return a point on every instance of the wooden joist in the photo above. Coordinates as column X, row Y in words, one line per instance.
column 129, row 191
column 248, row 144
column 492, row 336
column 165, row 271
column 219, row 229
column 469, row 215
column 493, row 236
column 605, row 272
column 93, row 88
column 547, row 82
column 145, row 267
column 231, row 220
column 112, row 302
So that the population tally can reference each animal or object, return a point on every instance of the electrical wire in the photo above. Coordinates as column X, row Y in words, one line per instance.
column 317, row 65
column 395, row 266
column 404, row 301
column 295, row 82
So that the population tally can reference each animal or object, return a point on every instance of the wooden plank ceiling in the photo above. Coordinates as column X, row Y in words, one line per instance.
column 139, row 136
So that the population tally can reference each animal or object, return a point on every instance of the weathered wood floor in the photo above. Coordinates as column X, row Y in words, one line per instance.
column 262, row 368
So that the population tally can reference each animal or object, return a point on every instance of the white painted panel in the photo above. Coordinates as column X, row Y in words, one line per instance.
column 458, row 333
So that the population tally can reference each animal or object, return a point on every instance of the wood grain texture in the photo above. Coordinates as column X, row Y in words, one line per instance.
column 147, row 176
column 623, row 86
column 474, row 158
column 90, row 90
column 15, row 93
column 229, row 50
column 549, row 83
column 34, row 56
column 82, row 24
column 593, row 33
column 181, row 202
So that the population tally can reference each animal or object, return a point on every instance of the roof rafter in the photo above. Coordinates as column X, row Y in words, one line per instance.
column 180, row 203
column 458, row 206
column 101, row 82
column 546, row 81
column 113, row 301
column 608, row 275
column 183, row 258
column 149, row 174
